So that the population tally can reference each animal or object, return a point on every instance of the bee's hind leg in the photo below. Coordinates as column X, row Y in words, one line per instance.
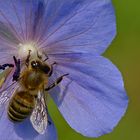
column 49, row 122
column 58, row 80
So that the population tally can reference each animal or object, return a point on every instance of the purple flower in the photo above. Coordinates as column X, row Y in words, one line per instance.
column 74, row 34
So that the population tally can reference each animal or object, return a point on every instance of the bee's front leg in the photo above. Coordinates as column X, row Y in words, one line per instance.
column 2, row 67
column 51, row 71
column 58, row 80
column 47, row 57
column 17, row 70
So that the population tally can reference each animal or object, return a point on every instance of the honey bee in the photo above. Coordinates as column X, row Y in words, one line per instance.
column 29, row 97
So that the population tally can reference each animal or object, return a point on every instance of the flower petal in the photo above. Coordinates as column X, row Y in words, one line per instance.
column 24, row 130
column 19, row 23
column 80, row 26
column 21, row 18
column 92, row 98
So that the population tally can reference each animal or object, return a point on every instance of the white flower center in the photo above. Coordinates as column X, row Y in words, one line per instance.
column 25, row 48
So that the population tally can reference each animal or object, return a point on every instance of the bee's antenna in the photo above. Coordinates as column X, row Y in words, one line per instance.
column 39, row 56
column 28, row 58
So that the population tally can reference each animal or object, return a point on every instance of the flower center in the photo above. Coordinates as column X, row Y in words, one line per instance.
column 25, row 48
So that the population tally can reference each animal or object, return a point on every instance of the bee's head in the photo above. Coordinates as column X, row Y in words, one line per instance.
column 38, row 65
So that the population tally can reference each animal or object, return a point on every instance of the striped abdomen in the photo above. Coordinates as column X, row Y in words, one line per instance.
column 21, row 106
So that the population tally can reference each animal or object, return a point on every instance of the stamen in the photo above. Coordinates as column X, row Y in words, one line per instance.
column 25, row 48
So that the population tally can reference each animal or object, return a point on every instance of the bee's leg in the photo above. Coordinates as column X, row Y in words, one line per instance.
column 51, row 71
column 17, row 70
column 6, row 65
column 46, row 58
column 28, row 58
column 58, row 80
column 49, row 122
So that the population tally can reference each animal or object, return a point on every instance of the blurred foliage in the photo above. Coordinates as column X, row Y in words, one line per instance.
column 124, row 52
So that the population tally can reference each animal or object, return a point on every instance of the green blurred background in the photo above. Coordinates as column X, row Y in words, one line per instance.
column 124, row 52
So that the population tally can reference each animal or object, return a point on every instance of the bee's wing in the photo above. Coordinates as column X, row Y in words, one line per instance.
column 3, row 76
column 4, row 94
column 4, row 98
column 39, row 117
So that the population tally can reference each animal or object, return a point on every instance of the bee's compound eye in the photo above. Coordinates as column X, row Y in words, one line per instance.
column 45, row 68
